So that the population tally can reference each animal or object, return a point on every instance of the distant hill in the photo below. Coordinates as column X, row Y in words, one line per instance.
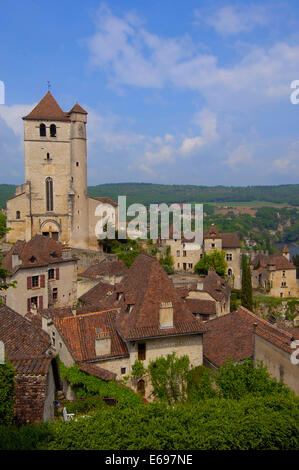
column 146, row 193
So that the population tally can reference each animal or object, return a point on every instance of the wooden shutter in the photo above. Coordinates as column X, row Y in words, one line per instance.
column 57, row 274
column 29, row 282
column 40, row 301
column 42, row 280
column 28, row 305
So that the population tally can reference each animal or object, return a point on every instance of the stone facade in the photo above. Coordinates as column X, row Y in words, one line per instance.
column 278, row 362
column 187, row 255
column 53, row 200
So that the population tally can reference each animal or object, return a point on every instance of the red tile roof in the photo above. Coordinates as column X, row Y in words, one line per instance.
column 21, row 339
column 96, row 371
column 79, row 334
column 216, row 286
column 145, row 286
column 99, row 293
column 47, row 109
column 201, row 306
column 105, row 268
column 77, row 109
column 34, row 366
column 105, row 200
column 39, row 251
column 232, row 336
column 278, row 261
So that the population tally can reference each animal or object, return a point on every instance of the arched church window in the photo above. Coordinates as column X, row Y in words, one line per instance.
column 53, row 130
column 49, row 194
column 42, row 130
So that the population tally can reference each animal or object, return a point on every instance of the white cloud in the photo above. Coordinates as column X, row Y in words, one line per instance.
column 234, row 20
column 12, row 115
column 242, row 155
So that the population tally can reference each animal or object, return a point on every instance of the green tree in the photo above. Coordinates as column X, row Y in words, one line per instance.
column 169, row 377
column 7, row 393
column 237, row 380
column 138, row 369
column 215, row 259
column 167, row 261
column 246, row 292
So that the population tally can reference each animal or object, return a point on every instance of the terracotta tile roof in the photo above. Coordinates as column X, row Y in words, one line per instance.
column 232, row 336
column 146, row 285
column 79, row 334
column 216, row 286
column 201, row 306
column 96, row 371
column 39, row 251
column 105, row 200
column 105, row 268
column 47, row 109
column 99, row 293
column 285, row 249
column 212, row 233
column 34, row 366
column 278, row 261
column 77, row 109
column 230, row 240
column 182, row 291
column 21, row 339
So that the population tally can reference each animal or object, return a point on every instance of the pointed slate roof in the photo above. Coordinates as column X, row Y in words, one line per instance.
column 47, row 109
column 285, row 249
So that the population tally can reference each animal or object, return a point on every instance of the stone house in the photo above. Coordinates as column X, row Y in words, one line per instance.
column 53, row 201
column 241, row 335
column 276, row 274
column 209, row 297
column 45, row 272
column 109, row 271
column 186, row 255
column 37, row 376
column 145, row 318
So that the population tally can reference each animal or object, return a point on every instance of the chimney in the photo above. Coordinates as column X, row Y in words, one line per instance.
column 102, row 342
column 166, row 315
column 15, row 259
column 66, row 253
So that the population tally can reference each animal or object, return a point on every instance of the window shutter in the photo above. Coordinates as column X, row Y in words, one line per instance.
column 29, row 282
column 40, row 302
column 57, row 274
column 42, row 280
column 28, row 305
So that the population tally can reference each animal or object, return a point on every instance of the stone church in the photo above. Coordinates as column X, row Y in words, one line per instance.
column 53, row 201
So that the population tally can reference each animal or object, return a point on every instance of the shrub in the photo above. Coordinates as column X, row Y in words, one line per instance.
column 7, row 393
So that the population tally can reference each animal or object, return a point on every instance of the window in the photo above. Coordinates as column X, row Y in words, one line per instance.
column 283, row 284
column 283, row 274
column 77, row 163
column 49, row 194
column 53, row 130
column 178, row 253
column 141, row 351
column 53, row 338
column 229, row 257
column 201, row 255
column 184, row 253
column 178, row 265
column 229, row 272
column 212, row 245
column 190, row 265
column 35, row 281
column 18, row 215
column 55, row 293
column 48, row 156
column 123, row 370
column 33, row 302
column 42, row 130
column 51, row 274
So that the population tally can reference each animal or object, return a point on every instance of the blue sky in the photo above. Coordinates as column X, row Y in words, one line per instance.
column 178, row 92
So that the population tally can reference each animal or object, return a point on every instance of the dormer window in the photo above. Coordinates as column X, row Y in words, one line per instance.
column 42, row 130
column 54, row 254
column 52, row 130
column 129, row 308
column 32, row 259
